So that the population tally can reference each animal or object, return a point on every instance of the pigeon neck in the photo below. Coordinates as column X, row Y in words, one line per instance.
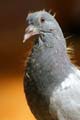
column 50, row 64
column 53, row 43
column 54, row 47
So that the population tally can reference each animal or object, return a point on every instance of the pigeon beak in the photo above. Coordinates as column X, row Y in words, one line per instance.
column 30, row 31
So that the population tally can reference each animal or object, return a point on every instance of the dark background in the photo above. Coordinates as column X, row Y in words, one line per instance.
column 13, row 52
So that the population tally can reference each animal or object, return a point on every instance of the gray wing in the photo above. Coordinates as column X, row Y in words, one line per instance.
column 65, row 100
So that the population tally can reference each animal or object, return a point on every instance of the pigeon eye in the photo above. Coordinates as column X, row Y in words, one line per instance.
column 42, row 20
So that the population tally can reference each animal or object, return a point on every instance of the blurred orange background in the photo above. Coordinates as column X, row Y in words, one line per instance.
column 13, row 52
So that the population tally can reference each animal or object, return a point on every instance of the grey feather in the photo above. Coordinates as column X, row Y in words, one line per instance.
column 51, row 83
column 66, row 98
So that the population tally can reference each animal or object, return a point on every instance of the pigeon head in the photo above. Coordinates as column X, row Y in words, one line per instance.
column 40, row 23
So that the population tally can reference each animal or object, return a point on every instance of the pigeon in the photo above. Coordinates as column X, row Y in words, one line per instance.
column 51, row 81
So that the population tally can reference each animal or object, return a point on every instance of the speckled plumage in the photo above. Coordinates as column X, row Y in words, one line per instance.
column 48, row 74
